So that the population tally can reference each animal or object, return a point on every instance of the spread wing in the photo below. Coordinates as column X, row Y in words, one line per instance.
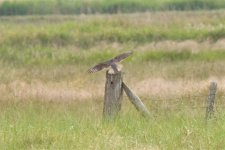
column 122, row 56
column 110, row 62
column 99, row 67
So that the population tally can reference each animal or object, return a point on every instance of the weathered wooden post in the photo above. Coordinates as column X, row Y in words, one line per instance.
column 113, row 95
column 136, row 101
column 210, row 100
column 114, row 87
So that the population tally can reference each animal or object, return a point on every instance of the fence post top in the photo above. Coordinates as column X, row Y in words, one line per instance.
column 112, row 72
column 213, row 84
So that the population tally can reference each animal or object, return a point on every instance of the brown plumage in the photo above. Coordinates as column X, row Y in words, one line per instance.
column 110, row 63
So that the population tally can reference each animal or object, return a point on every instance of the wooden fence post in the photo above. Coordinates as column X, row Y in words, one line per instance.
column 113, row 95
column 210, row 100
column 136, row 101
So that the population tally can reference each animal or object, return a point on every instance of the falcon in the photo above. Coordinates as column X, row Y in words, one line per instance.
column 110, row 63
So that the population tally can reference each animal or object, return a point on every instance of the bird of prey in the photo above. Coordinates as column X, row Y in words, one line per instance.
column 110, row 63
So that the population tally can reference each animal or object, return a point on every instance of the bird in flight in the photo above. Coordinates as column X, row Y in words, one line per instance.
column 110, row 63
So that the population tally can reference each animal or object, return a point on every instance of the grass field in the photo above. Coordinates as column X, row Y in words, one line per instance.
column 48, row 101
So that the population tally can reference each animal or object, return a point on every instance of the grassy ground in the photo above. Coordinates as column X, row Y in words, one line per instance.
column 78, row 125
column 48, row 101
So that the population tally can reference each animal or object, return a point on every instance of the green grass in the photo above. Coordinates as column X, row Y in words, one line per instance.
column 91, row 33
column 53, row 42
column 58, row 31
column 57, row 40
column 48, row 101
column 42, row 56
column 49, row 42
column 29, row 7
column 78, row 125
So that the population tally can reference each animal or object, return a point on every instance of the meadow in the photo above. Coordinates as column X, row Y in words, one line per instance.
column 49, row 101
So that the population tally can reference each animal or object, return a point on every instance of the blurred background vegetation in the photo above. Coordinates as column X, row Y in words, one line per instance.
column 49, row 101
column 42, row 33
column 31, row 7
